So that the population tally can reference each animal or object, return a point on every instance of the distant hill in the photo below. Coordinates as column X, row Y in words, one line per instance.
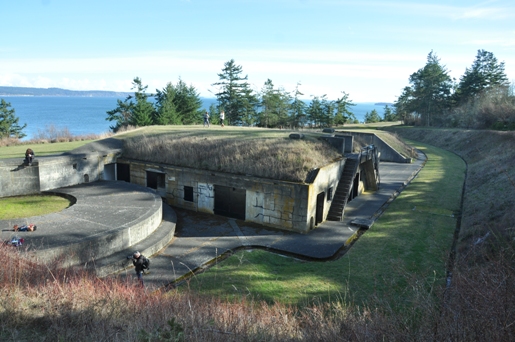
column 383, row 104
column 25, row 91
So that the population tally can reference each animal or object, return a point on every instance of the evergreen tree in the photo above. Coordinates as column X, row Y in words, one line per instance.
column 179, row 104
column 327, row 117
column 213, row 111
column 165, row 107
column 274, row 106
column 188, row 103
column 234, row 94
column 402, row 106
column 128, row 112
column 121, row 115
column 389, row 114
column 143, row 112
column 298, row 109
column 315, row 111
column 247, row 107
column 343, row 113
column 9, row 127
column 430, row 91
column 372, row 117
column 486, row 73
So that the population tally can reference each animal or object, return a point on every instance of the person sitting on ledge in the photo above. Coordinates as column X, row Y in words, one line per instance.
column 29, row 156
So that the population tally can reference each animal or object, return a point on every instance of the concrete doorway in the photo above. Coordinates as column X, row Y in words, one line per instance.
column 230, row 202
column 320, row 208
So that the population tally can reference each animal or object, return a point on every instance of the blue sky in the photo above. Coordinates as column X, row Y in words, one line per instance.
column 366, row 48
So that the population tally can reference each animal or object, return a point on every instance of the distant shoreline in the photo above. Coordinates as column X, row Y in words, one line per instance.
column 58, row 92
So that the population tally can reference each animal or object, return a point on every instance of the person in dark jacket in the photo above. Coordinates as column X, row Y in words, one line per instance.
column 141, row 263
column 29, row 156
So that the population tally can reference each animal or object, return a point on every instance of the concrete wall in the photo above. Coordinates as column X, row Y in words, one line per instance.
column 48, row 173
column 342, row 143
column 284, row 205
column 328, row 177
column 17, row 179
column 388, row 153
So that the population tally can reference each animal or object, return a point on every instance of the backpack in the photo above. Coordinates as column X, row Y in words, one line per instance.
column 146, row 263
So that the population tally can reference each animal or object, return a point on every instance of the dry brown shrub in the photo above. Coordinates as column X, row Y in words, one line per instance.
column 9, row 142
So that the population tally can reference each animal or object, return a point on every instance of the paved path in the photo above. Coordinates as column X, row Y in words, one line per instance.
column 202, row 238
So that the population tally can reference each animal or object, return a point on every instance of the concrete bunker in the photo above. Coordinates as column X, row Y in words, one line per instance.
column 295, row 206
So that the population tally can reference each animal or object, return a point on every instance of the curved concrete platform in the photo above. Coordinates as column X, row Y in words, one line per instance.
column 108, row 221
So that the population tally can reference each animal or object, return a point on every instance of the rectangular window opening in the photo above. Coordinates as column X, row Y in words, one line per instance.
column 188, row 193
column 330, row 194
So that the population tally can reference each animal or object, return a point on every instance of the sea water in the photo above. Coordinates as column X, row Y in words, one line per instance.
column 87, row 115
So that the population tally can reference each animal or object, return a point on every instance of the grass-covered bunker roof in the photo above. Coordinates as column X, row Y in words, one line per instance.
column 247, row 151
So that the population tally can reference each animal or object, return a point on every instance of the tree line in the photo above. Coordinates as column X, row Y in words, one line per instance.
column 482, row 98
column 180, row 104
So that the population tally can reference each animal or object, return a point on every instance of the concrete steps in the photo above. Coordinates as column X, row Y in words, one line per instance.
column 343, row 191
column 151, row 245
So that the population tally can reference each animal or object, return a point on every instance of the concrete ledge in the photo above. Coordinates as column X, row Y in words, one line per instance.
column 108, row 216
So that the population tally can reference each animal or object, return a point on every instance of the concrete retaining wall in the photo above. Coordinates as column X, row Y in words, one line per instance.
column 17, row 179
column 104, row 244
column 388, row 153
column 279, row 204
column 48, row 173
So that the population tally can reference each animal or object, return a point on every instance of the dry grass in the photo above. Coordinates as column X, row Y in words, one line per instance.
column 276, row 157
column 46, row 303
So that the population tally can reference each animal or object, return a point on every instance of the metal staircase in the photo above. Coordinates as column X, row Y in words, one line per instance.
column 343, row 190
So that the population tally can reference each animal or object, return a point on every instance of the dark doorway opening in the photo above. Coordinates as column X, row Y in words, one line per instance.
column 320, row 208
column 230, row 202
column 155, row 180
column 123, row 172
column 188, row 193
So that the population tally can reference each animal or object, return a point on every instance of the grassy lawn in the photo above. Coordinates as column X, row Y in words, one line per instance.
column 27, row 206
column 18, row 151
column 400, row 259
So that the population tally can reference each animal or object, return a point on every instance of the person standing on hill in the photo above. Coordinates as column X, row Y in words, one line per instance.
column 206, row 119
column 222, row 118
column 29, row 156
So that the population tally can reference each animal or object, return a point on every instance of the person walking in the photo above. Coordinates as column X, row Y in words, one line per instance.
column 222, row 118
column 141, row 264
column 206, row 119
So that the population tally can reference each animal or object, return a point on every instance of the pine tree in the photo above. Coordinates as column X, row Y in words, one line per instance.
column 165, row 107
column 9, row 127
column 143, row 112
column 234, row 94
column 372, row 117
column 389, row 114
column 298, row 109
column 315, row 111
column 430, row 91
column 128, row 112
column 486, row 73
column 343, row 113
column 274, row 106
